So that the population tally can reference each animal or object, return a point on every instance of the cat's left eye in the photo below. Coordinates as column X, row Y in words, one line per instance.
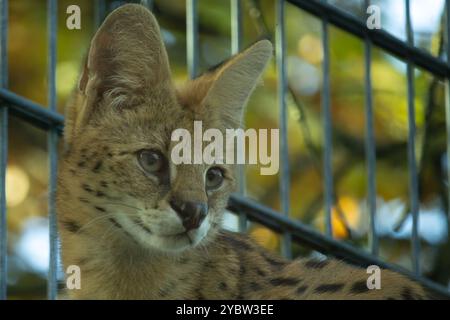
column 151, row 161
column 214, row 178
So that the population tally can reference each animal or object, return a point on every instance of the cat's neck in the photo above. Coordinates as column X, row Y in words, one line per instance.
column 129, row 271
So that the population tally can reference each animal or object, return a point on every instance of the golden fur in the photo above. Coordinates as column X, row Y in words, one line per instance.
column 115, row 221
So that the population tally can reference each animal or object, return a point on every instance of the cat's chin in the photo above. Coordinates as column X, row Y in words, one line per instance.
column 163, row 242
column 177, row 242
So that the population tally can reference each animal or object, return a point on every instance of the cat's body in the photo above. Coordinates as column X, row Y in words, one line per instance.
column 141, row 227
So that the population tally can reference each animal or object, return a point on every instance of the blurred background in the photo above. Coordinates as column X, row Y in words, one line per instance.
column 27, row 170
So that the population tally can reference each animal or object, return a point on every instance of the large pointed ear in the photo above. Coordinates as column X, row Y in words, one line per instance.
column 235, row 81
column 127, row 62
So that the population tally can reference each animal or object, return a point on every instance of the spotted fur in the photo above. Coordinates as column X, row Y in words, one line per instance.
column 115, row 220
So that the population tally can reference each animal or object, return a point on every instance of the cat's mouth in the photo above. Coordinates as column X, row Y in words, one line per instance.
column 183, row 240
column 177, row 235
column 176, row 241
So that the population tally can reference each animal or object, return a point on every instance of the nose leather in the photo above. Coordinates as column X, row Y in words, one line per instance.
column 191, row 213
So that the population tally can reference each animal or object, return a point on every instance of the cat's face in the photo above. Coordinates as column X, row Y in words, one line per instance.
column 118, row 168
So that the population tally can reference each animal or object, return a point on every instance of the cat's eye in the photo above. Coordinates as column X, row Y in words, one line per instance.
column 214, row 178
column 151, row 161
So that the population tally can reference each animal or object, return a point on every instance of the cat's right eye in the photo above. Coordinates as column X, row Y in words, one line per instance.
column 151, row 161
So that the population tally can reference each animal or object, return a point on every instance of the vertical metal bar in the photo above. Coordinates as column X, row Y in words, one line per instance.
column 236, row 45
column 327, row 129
column 413, row 178
column 3, row 150
column 447, row 109
column 280, row 39
column 148, row 3
column 99, row 12
column 192, row 37
column 236, row 26
column 370, row 144
column 52, row 141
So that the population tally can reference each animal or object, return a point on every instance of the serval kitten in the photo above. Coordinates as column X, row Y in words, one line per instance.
column 140, row 227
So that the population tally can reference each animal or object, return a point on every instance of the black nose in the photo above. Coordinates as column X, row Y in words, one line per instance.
column 191, row 213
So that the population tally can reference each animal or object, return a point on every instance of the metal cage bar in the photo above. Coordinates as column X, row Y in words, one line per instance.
column 280, row 43
column 52, row 142
column 307, row 236
column 32, row 112
column 447, row 109
column 327, row 129
column 379, row 37
column 370, row 144
column 413, row 176
column 192, row 37
column 236, row 46
column 3, row 150
column 99, row 12
column 148, row 3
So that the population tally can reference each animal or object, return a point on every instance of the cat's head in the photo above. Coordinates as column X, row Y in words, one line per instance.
column 117, row 167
